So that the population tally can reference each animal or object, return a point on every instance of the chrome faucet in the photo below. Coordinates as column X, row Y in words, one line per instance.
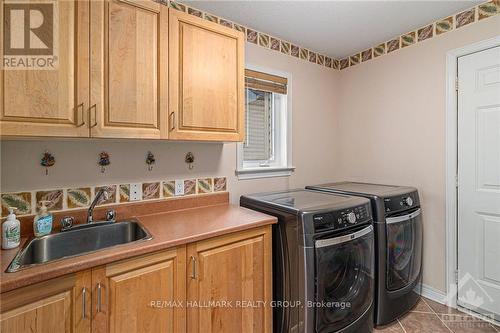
column 99, row 194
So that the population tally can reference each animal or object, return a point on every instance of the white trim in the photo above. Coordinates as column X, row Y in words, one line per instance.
column 432, row 294
column 264, row 173
column 452, row 157
column 281, row 171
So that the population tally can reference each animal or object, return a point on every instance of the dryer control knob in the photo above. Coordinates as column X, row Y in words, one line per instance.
column 351, row 218
column 408, row 201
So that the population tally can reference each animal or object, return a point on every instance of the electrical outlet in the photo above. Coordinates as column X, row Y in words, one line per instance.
column 179, row 187
column 135, row 192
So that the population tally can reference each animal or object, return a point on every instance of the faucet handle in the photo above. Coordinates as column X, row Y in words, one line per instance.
column 110, row 215
column 67, row 223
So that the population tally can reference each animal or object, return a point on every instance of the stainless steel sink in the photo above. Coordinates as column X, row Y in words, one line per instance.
column 79, row 240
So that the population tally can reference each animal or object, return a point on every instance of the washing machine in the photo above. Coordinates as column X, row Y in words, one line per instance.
column 323, row 261
column 398, row 244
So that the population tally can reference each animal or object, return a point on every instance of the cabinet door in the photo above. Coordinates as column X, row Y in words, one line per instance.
column 52, row 101
column 206, row 66
column 141, row 295
column 129, row 41
column 56, row 306
column 234, row 268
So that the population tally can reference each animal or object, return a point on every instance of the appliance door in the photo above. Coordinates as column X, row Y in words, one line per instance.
column 344, row 279
column 404, row 248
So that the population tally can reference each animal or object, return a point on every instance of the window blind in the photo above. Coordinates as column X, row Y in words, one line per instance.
column 265, row 82
column 257, row 146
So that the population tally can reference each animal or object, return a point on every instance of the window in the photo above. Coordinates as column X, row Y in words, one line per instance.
column 266, row 149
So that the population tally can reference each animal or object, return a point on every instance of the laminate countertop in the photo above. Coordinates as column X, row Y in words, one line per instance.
column 168, row 229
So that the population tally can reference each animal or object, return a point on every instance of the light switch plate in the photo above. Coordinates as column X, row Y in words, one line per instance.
column 179, row 187
column 135, row 192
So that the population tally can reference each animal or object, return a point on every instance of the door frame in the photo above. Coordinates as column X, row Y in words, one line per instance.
column 452, row 160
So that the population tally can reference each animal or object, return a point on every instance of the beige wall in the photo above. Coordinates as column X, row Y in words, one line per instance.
column 313, row 96
column 383, row 121
column 390, row 127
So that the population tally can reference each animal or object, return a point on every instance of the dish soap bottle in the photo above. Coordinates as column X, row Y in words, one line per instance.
column 42, row 224
column 11, row 231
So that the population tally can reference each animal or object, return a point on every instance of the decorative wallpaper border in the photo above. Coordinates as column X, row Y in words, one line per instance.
column 437, row 28
column 261, row 39
column 452, row 22
column 81, row 197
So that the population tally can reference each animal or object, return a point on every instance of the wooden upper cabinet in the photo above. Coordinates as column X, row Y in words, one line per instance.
column 56, row 306
column 134, row 294
column 52, row 101
column 236, row 267
column 129, row 73
column 129, row 69
column 206, row 92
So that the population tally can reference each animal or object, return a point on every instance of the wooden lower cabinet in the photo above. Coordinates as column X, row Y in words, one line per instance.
column 235, row 269
column 56, row 306
column 174, row 290
column 138, row 295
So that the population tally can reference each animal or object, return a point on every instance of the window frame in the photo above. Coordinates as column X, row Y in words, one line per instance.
column 283, row 146
column 256, row 163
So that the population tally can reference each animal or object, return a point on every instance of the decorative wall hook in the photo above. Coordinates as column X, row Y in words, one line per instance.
column 47, row 161
column 189, row 160
column 150, row 160
column 104, row 161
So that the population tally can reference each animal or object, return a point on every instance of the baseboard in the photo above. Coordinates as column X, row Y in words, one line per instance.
column 432, row 293
column 441, row 297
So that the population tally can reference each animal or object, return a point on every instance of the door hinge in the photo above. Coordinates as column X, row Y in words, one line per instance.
column 456, row 276
column 456, row 83
column 456, row 181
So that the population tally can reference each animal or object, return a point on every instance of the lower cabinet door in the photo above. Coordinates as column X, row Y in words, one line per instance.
column 57, row 306
column 229, row 283
column 144, row 294
column 52, row 314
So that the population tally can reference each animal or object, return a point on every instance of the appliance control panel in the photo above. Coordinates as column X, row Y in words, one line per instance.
column 401, row 202
column 342, row 218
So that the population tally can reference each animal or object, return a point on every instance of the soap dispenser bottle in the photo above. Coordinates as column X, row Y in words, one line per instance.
column 11, row 231
column 42, row 224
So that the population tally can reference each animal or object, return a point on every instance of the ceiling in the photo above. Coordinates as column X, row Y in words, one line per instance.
column 334, row 28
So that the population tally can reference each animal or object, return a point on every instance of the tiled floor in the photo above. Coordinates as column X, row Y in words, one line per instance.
column 429, row 316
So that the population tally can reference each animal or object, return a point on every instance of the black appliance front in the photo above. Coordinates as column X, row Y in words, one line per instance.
column 404, row 241
column 399, row 261
column 344, row 270
column 323, row 262
column 398, row 244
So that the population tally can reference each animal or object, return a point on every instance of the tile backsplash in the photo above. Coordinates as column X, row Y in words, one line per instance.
column 81, row 197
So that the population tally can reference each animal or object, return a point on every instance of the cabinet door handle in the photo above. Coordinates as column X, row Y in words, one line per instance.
column 95, row 115
column 193, row 271
column 80, row 107
column 171, row 121
column 84, row 302
column 99, row 297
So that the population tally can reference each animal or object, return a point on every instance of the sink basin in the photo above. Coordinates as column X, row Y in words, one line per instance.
column 79, row 240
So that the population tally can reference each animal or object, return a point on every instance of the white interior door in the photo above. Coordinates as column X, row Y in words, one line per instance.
column 479, row 182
